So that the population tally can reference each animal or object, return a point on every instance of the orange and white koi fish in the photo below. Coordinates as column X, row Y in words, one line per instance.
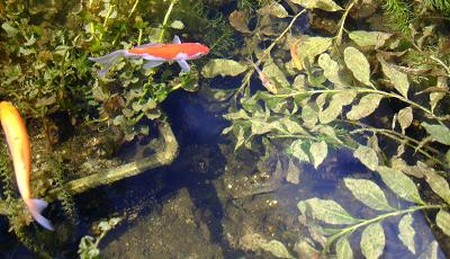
column 155, row 54
column 19, row 147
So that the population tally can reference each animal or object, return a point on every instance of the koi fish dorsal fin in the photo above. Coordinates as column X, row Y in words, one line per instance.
column 176, row 40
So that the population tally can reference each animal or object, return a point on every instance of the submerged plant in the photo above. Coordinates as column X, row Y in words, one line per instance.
column 329, row 96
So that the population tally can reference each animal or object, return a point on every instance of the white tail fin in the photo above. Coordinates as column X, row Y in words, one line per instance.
column 36, row 206
column 108, row 60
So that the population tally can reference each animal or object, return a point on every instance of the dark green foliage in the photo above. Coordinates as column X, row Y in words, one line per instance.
column 399, row 12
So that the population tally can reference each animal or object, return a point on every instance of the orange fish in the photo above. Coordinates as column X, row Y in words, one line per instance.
column 19, row 147
column 155, row 54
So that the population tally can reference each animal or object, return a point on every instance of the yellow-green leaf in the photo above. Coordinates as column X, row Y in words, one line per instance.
column 438, row 132
column 369, row 38
column 318, row 151
column 177, row 24
column 311, row 47
column 438, row 184
column 331, row 70
column 274, row 9
column 222, row 67
column 327, row 211
column 398, row 79
column 373, row 241
column 400, row 184
column 443, row 221
column 358, row 64
column 366, row 106
column 406, row 232
column 405, row 118
column 343, row 248
column 368, row 193
column 326, row 5
column 296, row 149
column 367, row 156
column 334, row 109
column 277, row 249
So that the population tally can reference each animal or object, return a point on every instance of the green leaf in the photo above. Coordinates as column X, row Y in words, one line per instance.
column 438, row 132
column 369, row 38
column 177, row 24
column 326, row 5
column 327, row 211
column 407, row 232
column 296, row 150
column 366, row 106
column 435, row 97
column 274, row 9
column 368, row 193
column 373, row 241
column 358, row 64
column 10, row 30
column 331, row 70
column 275, row 74
column 443, row 221
column 343, row 248
column 438, row 184
column 400, row 184
column 367, row 156
column 405, row 118
column 311, row 47
column 309, row 116
column 318, row 151
column 277, row 249
column 397, row 78
column 334, row 109
column 222, row 67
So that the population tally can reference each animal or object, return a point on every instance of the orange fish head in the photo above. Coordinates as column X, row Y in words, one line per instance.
column 198, row 50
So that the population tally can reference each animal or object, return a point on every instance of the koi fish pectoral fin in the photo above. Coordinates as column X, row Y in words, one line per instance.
column 36, row 206
column 176, row 40
column 184, row 66
column 151, row 64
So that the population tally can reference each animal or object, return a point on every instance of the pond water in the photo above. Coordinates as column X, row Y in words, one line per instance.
column 218, row 201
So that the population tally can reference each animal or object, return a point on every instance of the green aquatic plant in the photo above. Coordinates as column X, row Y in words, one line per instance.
column 399, row 12
column 88, row 247
column 332, row 94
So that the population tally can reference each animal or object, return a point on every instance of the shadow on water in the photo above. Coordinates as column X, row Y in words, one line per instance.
column 145, row 196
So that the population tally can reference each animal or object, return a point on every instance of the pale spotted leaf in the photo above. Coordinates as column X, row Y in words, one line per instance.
column 366, row 106
column 405, row 118
column 318, row 151
column 327, row 211
column 407, row 233
column 400, row 184
column 398, row 79
column 326, row 5
column 343, row 248
column 374, row 39
column 438, row 132
column 358, row 64
column 373, row 241
column 368, row 193
column 443, row 221
column 367, row 156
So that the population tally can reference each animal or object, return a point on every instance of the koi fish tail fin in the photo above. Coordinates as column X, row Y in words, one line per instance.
column 108, row 60
column 36, row 206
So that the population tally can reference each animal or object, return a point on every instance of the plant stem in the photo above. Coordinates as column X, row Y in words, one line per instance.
column 350, row 229
column 166, row 19
column 342, row 22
